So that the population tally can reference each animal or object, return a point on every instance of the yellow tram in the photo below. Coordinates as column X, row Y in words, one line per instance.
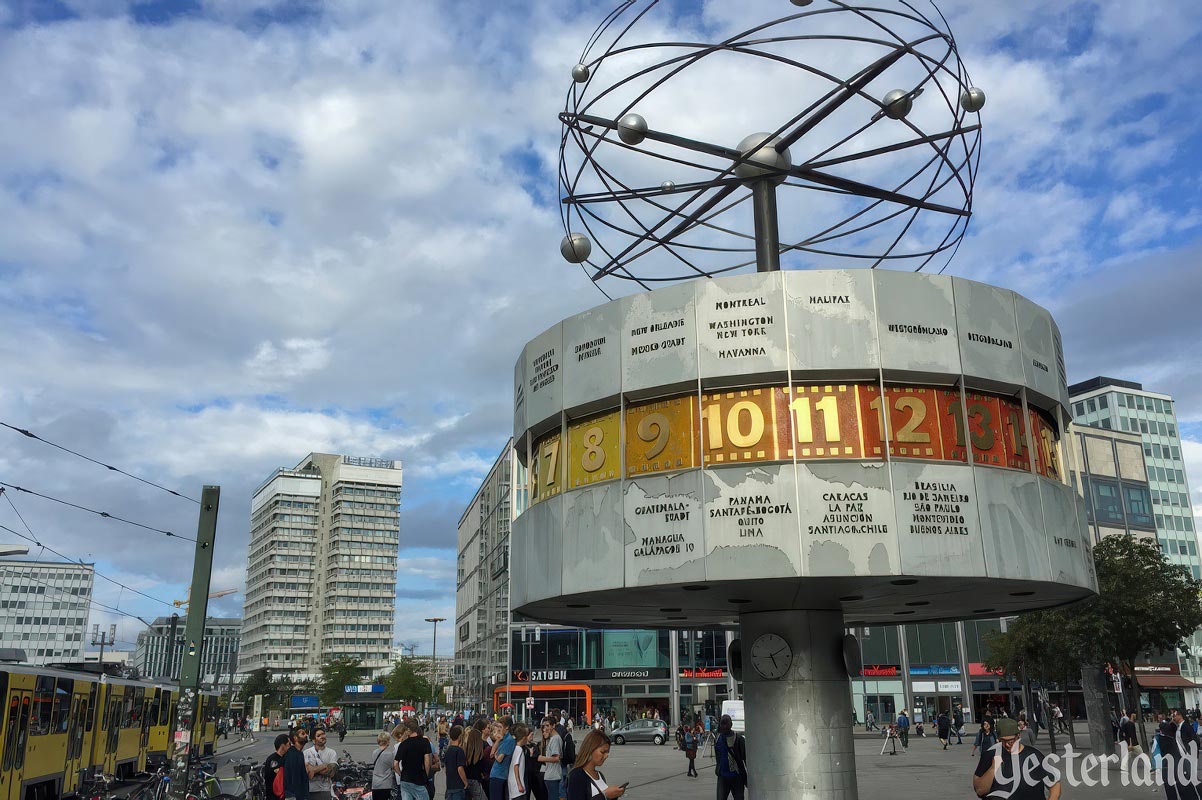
column 56, row 725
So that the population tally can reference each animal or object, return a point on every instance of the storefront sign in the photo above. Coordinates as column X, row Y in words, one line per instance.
column 305, row 701
column 624, row 673
column 366, row 688
column 703, row 672
column 977, row 668
column 949, row 686
column 934, row 669
column 1157, row 669
column 924, row 686
column 881, row 671
column 525, row 676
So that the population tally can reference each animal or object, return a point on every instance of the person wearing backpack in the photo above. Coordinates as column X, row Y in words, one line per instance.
column 273, row 768
column 518, row 781
column 688, row 743
column 730, row 750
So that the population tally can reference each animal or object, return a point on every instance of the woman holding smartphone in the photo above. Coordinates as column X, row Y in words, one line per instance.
column 586, row 781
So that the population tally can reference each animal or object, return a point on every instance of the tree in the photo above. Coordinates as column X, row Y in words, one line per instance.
column 1143, row 604
column 408, row 680
column 336, row 675
column 257, row 682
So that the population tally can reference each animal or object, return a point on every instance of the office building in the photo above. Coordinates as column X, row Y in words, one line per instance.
column 44, row 609
column 322, row 565
column 1111, row 474
column 156, row 657
column 481, row 630
column 1125, row 406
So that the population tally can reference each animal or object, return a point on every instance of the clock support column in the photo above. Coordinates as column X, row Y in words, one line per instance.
column 800, row 743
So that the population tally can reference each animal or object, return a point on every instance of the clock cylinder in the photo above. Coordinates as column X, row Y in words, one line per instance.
column 801, row 744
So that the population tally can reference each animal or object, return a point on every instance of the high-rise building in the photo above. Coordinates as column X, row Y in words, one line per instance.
column 44, row 609
column 1110, row 473
column 482, row 579
column 155, row 657
column 1127, row 406
column 322, row 565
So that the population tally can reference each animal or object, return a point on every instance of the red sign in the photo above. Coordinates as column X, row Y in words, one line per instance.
column 703, row 672
column 881, row 670
column 977, row 668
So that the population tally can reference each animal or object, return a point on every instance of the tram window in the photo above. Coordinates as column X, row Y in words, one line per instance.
column 10, row 739
column 62, row 704
column 42, row 714
column 91, row 706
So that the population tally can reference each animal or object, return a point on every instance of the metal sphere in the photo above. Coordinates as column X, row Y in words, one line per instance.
column 575, row 248
column 632, row 128
column 801, row 2
column 667, row 186
column 897, row 104
column 765, row 159
column 972, row 100
column 580, row 73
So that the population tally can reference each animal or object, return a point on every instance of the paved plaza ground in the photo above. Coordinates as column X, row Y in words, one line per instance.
column 925, row 771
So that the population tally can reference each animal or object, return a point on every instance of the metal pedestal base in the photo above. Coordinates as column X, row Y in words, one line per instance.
column 799, row 732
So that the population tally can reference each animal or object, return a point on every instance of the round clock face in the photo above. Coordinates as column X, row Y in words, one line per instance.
column 771, row 656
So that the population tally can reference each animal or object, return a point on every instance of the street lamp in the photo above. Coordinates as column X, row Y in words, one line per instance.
column 14, row 549
column 434, row 659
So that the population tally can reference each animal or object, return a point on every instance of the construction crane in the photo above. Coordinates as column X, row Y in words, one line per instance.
column 213, row 596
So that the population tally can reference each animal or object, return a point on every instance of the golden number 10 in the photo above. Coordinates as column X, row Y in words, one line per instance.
column 734, row 424
column 803, row 421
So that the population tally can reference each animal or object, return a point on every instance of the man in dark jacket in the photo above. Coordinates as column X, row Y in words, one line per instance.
column 943, row 725
column 730, row 749
column 296, row 777
column 275, row 763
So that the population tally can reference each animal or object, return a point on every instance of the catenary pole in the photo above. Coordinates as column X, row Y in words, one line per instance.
column 189, row 708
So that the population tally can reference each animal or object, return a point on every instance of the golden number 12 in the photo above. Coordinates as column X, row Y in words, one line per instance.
column 918, row 412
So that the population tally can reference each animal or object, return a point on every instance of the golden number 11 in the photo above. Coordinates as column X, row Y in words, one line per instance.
column 803, row 422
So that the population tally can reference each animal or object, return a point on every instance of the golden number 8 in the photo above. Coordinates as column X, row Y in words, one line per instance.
column 593, row 457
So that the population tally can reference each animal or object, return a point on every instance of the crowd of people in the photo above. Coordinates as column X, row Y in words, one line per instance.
column 483, row 759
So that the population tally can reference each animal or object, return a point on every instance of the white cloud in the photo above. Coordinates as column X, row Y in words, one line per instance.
column 230, row 243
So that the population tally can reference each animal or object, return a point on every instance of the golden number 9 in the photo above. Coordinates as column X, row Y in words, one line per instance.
column 593, row 457
column 654, row 428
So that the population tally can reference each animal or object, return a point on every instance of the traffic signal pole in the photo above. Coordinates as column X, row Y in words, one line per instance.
column 189, row 677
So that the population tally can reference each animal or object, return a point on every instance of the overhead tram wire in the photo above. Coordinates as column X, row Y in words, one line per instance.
column 104, row 514
column 32, row 435
column 80, row 561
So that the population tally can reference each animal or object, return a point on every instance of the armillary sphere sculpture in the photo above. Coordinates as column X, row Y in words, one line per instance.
column 852, row 129
column 792, row 452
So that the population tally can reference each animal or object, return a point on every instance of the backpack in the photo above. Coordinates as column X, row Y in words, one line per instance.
column 690, row 741
column 531, row 769
column 569, row 750
column 277, row 783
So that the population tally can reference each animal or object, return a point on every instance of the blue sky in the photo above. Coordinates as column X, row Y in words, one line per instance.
column 234, row 233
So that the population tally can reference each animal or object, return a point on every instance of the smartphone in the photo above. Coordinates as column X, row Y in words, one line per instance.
column 623, row 786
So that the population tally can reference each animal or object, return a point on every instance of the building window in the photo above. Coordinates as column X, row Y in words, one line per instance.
column 1102, row 402
column 1108, row 507
column 1139, row 506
